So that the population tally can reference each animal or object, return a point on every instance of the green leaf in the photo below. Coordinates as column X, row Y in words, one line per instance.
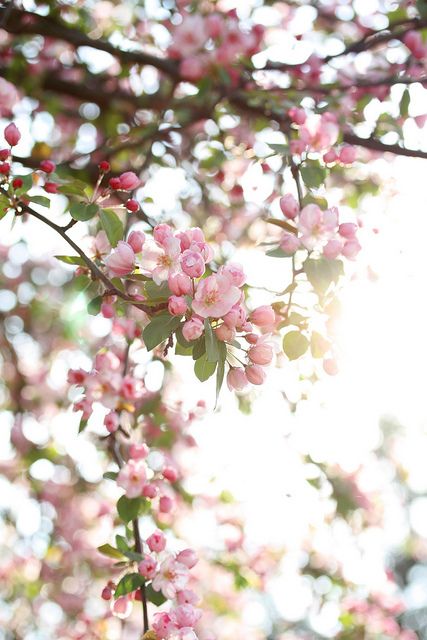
column 156, row 597
column 203, row 368
column 122, row 544
column 71, row 259
column 110, row 475
column 128, row 508
column 280, row 149
column 112, row 226
column 4, row 205
column 212, row 352
column 75, row 188
column 83, row 211
column 199, row 347
column 157, row 293
column 422, row 8
column 318, row 345
column 159, row 329
column 111, row 552
column 130, row 582
column 41, row 200
column 222, row 348
column 82, row 425
column 94, row 306
column 321, row 273
column 313, row 174
column 295, row 345
column 404, row 103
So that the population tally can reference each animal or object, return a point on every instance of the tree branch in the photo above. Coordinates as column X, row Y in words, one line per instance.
column 377, row 145
column 26, row 22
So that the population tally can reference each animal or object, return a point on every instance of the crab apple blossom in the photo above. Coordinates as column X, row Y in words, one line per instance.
column 47, row 166
column 263, row 316
column 172, row 577
column 261, row 353
column 215, row 296
column 255, row 374
column 236, row 379
column 121, row 261
column 193, row 329
column 147, row 567
column 132, row 478
column 156, row 541
column 180, row 284
column 129, row 181
column 136, row 240
column 289, row 206
column 192, row 263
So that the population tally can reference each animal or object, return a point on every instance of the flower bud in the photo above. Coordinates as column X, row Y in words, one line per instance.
column 255, row 374
column 177, row 305
column 236, row 379
column 192, row 263
column 263, row 316
column 11, row 134
column 261, row 353
column 47, row 166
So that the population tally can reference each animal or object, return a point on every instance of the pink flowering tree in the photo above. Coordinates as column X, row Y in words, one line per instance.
column 153, row 142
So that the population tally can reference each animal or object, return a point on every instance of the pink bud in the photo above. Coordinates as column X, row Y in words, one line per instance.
column 187, row 557
column 297, row 115
column 162, row 232
column 107, row 310
column 51, row 187
column 234, row 272
column 165, row 504
column 136, row 240
column 106, row 593
column 332, row 249
column 121, row 607
column 289, row 243
column 347, row 230
column 261, row 353
column 129, row 181
column 192, row 263
column 263, row 316
column 330, row 156
column 177, row 305
column 351, row 249
column 157, row 541
column 236, row 379
column 150, row 491
column 132, row 205
column 138, row 451
column 180, row 284
column 147, row 567
column 11, row 134
column 170, row 474
column 252, row 338
column 224, row 333
column 289, row 206
column 47, row 166
column 330, row 366
column 192, row 329
column 255, row 374
column 122, row 259
column 347, row 155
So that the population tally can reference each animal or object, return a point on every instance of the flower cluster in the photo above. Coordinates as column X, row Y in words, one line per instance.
column 205, row 42
column 210, row 304
column 169, row 575
column 318, row 230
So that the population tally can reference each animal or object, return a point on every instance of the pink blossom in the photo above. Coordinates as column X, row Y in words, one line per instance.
column 289, row 243
column 129, row 181
column 347, row 230
column 316, row 225
column 186, row 615
column 330, row 366
column 162, row 232
column 234, row 272
column 180, row 284
column 350, row 249
column 225, row 333
column 186, row 596
column 188, row 557
column 236, row 379
column 332, row 248
column 177, row 305
column 101, row 244
column 261, row 353
column 121, row 261
column 138, row 451
column 192, row 263
column 330, row 156
column 190, row 36
column 263, row 316
column 297, row 115
column 161, row 260
column 157, row 541
column 192, row 329
column 192, row 68
column 163, row 624
column 147, row 567
column 320, row 131
column 172, row 577
column 122, row 607
column 214, row 24
column 289, row 206
column 131, row 388
column 111, row 422
column 236, row 317
column 132, row 478
column 136, row 240
column 215, row 296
